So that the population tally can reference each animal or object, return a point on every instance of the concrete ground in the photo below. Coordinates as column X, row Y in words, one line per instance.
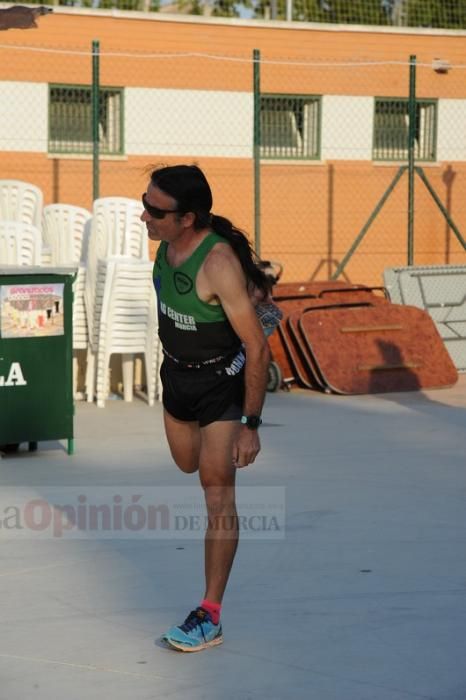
column 362, row 597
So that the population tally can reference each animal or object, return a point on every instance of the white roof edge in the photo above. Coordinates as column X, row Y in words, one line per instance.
column 236, row 22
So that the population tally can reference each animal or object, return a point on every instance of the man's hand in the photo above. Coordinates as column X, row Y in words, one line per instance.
column 246, row 447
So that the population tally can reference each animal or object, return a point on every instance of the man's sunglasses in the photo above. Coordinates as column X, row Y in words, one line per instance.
column 155, row 212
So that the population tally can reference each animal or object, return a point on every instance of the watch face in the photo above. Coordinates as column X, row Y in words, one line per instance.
column 252, row 422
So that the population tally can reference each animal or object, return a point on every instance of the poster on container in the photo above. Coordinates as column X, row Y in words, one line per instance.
column 31, row 310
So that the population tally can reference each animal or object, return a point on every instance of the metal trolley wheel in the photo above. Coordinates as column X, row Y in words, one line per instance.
column 14, row 447
column 9, row 448
column 274, row 381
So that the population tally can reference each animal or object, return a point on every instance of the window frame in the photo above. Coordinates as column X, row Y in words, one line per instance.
column 402, row 154
column 313, row 138
column 83, row 147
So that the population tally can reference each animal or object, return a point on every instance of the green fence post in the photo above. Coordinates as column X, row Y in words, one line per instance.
column 256, row 150
column 95, row 117
column 411, row 155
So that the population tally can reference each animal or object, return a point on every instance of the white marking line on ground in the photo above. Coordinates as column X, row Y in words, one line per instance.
column 65, row 562
column 19, row 572
column 88, row 667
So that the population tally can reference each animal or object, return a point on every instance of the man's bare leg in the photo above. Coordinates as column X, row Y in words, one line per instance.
column 217, row 475
column 211, row 450
column 184, row 440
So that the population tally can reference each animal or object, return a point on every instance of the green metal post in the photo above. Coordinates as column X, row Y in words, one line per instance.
column 95, row 117
column 256, row 150
column 411, row 155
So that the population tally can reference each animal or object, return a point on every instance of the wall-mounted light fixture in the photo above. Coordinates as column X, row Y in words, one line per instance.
column 441, row 65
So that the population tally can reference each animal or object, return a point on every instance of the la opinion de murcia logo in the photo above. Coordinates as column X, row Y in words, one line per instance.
column 14, row 377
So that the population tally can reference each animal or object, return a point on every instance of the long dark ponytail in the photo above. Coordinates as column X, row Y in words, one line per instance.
column 188, row 185
column 244, row 252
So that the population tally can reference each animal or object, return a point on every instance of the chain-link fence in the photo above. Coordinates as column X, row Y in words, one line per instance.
column 447, row 14
column 334, row 169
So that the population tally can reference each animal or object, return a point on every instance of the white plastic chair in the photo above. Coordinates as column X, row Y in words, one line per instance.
column 65, row 233
column 20, row 243
column 128, row 326
column 45, row 256
column 80, row 334
column 21, row 201
column 116, row 230
column 65, row 230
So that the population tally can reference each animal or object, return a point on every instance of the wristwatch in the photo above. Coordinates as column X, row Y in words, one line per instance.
column 252, row 422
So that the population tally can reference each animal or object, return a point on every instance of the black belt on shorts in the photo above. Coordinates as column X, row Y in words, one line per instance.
column 198, row 364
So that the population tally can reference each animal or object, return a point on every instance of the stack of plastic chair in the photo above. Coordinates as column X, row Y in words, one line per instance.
column 128, row 325
column 22, row 201
column 116, row 233
column 20, row 243
column 65, row 231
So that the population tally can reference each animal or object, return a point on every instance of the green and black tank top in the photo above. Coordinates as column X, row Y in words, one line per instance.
column 190, row 329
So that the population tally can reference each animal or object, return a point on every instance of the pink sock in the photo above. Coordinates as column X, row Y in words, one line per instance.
column 213, row 609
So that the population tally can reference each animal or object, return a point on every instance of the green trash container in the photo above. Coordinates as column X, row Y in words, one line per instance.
column 36, row 355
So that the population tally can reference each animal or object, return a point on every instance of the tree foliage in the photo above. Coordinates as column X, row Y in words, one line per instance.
column 225, row 8
column 435, row 13
column 446, row 14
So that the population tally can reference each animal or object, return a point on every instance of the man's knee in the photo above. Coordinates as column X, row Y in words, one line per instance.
column 218, row 497
column 185, row 459
column 189, row 466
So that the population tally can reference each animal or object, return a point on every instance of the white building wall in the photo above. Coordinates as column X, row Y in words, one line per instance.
column 23, row 116
column 194, row 122
column 214, row 123
column 451, row 134
column 347, row 125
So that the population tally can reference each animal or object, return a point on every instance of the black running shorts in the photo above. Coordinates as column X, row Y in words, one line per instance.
column 205, row 394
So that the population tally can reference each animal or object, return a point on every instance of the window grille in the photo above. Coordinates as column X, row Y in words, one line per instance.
column 391, row 124
column 70, row 120
column 290, row 126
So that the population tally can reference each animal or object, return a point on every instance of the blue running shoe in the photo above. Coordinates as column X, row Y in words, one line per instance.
column 196, row 633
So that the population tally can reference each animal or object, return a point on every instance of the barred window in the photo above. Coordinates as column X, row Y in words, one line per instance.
column 290, row 126
column 70, row 119
column 391, row 124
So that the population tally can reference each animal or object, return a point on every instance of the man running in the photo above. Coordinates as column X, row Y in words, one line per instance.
column 215, row 367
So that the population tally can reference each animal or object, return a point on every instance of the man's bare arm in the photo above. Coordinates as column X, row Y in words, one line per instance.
column 226, row 279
